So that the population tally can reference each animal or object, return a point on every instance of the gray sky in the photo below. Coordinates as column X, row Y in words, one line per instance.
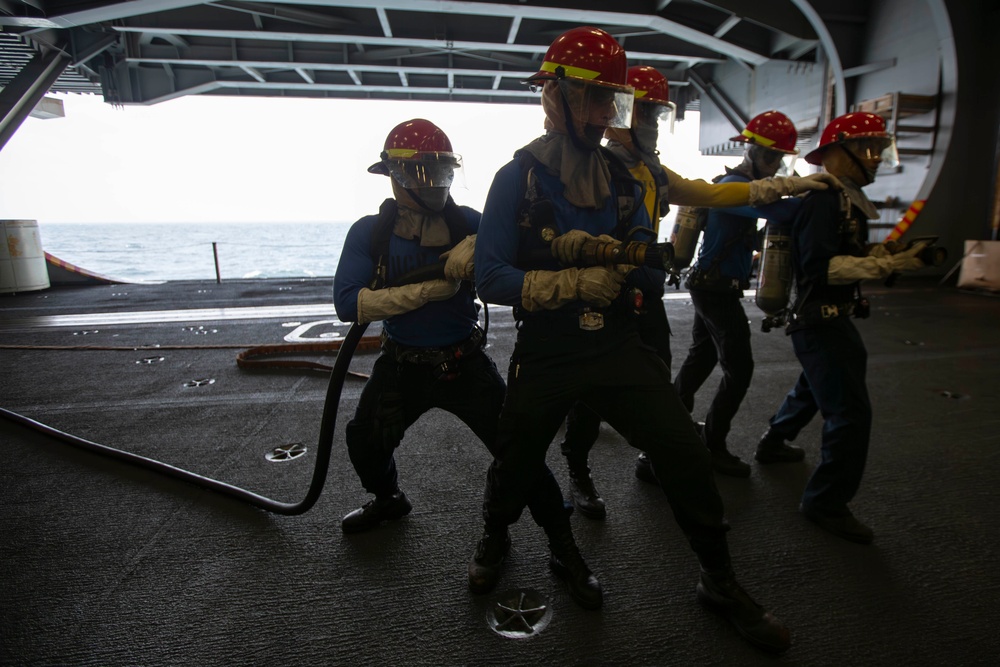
column 213, row 159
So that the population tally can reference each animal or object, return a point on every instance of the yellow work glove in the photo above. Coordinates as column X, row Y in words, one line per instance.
column 379, row 304
column 908, row 260
column 767, row 190
column 549, row 290
column 460, row 260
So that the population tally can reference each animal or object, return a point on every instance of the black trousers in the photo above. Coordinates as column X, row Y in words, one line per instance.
column 624, row 381
column 721, row 334
column 475, row 397
column 583, row 425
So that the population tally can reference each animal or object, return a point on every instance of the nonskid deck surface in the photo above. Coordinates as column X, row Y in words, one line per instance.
column 105, row 563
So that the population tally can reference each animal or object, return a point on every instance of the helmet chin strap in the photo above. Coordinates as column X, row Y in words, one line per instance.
column 583, row 143
column 421, row 203
column 759, row 167
column 868, row 176
column 750, row 165
column 648, row 157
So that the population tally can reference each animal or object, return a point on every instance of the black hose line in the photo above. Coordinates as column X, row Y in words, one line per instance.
column 324, row 447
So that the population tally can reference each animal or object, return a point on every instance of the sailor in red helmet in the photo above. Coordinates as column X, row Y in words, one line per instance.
column 432, row 351
column 720, row 332
column 831, row 255
column 636, row 147
column 577, row 335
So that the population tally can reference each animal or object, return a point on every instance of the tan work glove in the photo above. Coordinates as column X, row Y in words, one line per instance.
column 846, row 269
column 879, row 250
column 908, row 260
column 568, row 247
column 767, row 190
column 460, row 260
column 379, row 304
column 549, row 290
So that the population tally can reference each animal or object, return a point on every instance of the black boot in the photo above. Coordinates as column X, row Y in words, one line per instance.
column 719, row 592
column 376, row 511
column 842, row 525
column 723, row 461
column 585, row 496
column 484, row 568
column 567, row 564
column 644, row 470
column 728, row 464
column 772, row 449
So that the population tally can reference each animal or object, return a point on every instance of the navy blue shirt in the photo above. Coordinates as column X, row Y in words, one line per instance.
column 820, row 233
column 498, row 278
column 435, row 324
column 730, row 233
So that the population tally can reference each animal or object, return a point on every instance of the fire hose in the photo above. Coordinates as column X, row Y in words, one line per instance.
column 328, row 422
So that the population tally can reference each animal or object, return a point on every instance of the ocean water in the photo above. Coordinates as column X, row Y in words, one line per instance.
column 184, row 251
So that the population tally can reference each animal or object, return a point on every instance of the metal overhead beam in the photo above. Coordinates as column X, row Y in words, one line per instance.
column 111, row 12
column 98, row 46
column 515, row 25
column 569, row 15
column 869, row 68
column 434, row 44
column 804, row 47
column 26, row 90
column 294, row 15
column 736, row 117
column 133, row 8
column 253, row 72
column 410, row 92
column 329, row 67
column 772, row 14
column 727, row 25
column 383, row 20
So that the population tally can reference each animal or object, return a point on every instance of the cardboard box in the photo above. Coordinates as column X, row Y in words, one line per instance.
column 980, row 266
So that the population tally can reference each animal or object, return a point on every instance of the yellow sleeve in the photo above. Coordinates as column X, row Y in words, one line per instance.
column 685, row 192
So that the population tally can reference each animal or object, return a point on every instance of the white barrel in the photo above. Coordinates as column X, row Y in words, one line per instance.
column 22, row 260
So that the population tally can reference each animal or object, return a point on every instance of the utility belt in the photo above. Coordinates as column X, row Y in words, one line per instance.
column 444, row 361
column 572, row 320
column 816, row 313
column 704, row 280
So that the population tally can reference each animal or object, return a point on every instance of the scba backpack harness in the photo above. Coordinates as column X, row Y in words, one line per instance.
column 537, row 225
column 444, row 361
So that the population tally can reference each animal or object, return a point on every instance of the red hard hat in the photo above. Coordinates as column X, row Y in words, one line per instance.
column 771, row 129
column 585, row 53
column 649, row 84
column 408, row 139
column 854, row 125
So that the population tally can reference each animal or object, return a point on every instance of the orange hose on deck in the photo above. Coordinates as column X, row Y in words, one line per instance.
column 246, row 359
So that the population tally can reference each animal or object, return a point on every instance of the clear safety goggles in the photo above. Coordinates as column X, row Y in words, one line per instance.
column 426, row 170
column 771, row 161
column 874, row 148
column 601, row 105
column 654, row 114
column 788, row 163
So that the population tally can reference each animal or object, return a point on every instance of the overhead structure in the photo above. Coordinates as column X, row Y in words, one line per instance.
column 150, row 51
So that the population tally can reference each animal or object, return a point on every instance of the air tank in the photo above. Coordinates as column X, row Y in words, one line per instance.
column 774, row 282
column 687, row 228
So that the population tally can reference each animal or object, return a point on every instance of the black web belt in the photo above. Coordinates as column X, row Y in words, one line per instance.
column 812, row 313
column 434, row 356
